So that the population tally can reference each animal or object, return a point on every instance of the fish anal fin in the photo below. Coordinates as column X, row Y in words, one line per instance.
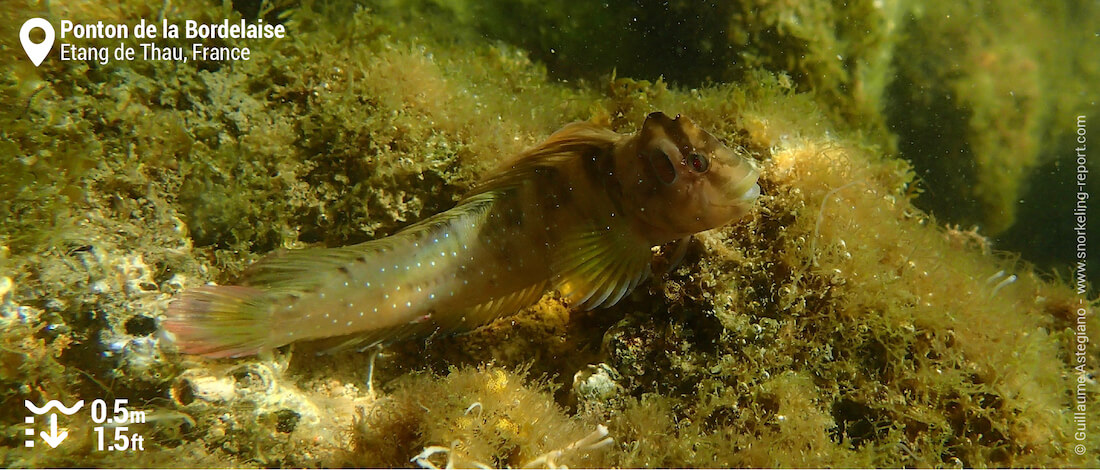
column 364, row 340
column 487, row 312
column 468, row 319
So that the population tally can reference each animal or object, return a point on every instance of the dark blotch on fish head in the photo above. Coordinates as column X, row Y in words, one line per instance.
column 679, row 179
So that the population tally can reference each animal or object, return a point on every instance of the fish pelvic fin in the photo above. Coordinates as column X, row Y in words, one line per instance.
column 221, row 321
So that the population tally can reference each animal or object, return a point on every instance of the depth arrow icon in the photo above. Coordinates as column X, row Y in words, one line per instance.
column 53, row 438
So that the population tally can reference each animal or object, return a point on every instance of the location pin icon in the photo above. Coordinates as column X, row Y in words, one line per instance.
column 37, row 52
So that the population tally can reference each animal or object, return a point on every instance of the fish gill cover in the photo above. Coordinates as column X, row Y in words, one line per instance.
column 860, row 315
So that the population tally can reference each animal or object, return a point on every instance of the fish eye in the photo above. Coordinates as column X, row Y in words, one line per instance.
column 699, row 162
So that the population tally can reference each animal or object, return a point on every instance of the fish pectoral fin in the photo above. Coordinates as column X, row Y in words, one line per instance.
column 597, row 268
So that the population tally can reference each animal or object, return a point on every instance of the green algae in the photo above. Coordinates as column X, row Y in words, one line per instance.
column 1006, row 87
column 839, row 326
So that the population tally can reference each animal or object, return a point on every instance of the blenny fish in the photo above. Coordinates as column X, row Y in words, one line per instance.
column 579, row 213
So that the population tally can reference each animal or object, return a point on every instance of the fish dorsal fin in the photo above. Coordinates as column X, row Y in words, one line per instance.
column 302, row 270
column 599, row 266
column 564, row 146
column 298, row 270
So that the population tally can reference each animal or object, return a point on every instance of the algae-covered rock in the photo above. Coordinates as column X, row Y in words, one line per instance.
column 984, row 95
column 839, row 325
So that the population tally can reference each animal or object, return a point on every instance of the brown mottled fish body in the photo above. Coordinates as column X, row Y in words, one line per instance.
column 578, row 213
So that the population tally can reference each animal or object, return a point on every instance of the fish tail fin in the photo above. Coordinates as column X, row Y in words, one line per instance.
column 221, row 321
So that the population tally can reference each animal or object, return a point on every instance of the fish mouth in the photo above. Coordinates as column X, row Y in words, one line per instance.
column 742, row 198
column 745, row 190
column 741, row 186
column 749, row 196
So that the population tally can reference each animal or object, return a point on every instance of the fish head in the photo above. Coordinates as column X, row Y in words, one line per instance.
column 681, row 180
